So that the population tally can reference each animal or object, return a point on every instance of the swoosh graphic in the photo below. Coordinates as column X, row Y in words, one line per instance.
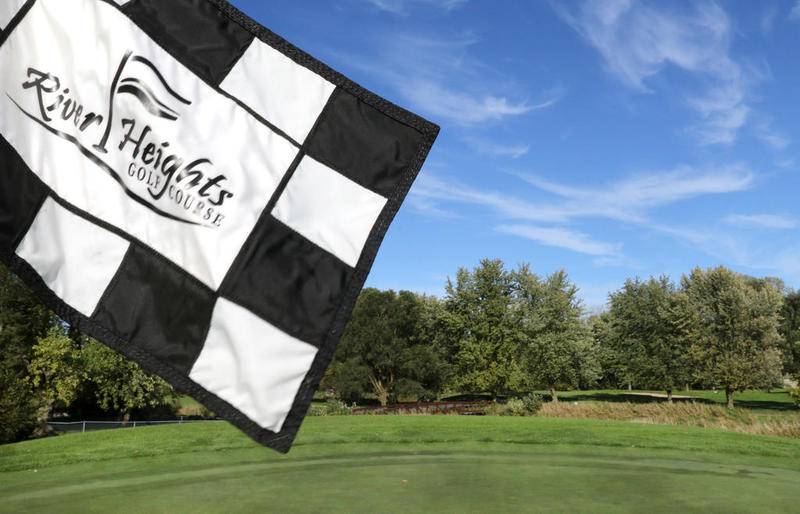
column 105, row 167
column 148, row 100
column 138, row 58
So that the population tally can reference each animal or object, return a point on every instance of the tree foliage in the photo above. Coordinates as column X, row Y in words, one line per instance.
column 22, row 322
column 736, row 345
column 650, row 326
column 483, row 331
column 383, row 350
column 790, row 334
column 558, row 350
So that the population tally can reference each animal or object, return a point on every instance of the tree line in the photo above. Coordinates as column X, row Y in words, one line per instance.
column 47, row 368
column 507, row 331
column 495, row 331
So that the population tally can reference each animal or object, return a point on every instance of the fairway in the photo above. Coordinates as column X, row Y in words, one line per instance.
column 406, row 464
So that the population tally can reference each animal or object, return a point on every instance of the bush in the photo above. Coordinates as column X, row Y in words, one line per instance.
column 526, row 406
column 795, row 394
column 533, row 403
column 331, row 407
column 516, row 407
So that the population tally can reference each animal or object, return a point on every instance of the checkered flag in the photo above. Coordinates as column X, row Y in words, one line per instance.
column 195, row 192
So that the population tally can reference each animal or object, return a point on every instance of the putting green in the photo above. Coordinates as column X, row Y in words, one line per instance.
column 407, row 464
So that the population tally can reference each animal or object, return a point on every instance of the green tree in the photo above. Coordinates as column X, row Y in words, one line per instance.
column 119, row 384
column 614, row 365
column 23, row 320
column 384, row 350
column 485, row 339
column 56, row 371
column 651, row 328
column 736, row 341
column 790, row 334
column 559, row 351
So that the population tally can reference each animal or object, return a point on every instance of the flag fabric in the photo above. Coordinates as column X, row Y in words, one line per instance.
column 195, row 192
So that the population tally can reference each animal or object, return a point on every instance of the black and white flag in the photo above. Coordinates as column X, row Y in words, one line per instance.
column 187, row 187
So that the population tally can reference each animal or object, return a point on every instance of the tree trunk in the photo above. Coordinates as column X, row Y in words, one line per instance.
column 630, row 386
column 669, row 395
column 729, row 397
column 126, row 417
column 380, row 391
column 553, row 395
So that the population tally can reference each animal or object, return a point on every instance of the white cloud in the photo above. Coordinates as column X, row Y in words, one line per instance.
column 771, row 137
column 631, row 198
column 768, row 19
column 464, row 108
column 794, row 14
column 401, row 7
column 440, row 77
column 628, row 200
column 771, row 221
column 562, row 238
column 487, row 147
column 638, row 40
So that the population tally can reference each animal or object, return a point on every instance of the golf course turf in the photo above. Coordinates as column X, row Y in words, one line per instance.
column 407, row 464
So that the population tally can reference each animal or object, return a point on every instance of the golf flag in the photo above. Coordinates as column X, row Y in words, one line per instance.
column 195, row 192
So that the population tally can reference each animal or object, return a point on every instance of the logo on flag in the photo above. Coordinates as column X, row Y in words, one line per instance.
column 189, row 190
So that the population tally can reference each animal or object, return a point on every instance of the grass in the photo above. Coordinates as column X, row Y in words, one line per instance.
column 407, row 464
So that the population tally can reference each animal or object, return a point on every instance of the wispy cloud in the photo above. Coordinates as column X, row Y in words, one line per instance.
column 464, row 108
column 770, row 136
column 794, row 13
column 489, row 147
column 440, row 76
column 768, row 19
column 403, row 7
column 630, row 199
column 770, row 221
column 562, row 238
column 638, row 40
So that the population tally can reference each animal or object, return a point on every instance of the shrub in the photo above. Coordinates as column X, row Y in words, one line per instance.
column 525, row 406
column 331, row 407
column 795, row 394
column 516, row 407
column 533, row 403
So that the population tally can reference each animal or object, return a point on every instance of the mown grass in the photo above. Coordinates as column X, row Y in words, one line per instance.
column 406, row 464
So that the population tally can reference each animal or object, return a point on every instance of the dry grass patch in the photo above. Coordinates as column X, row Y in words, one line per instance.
column 683, row 413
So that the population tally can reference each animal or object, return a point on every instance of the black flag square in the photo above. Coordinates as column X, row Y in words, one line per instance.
column 195, row 192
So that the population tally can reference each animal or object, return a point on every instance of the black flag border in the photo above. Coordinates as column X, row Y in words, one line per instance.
column 281, row 441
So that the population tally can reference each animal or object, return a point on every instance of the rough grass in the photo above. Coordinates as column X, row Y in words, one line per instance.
column 680, row 413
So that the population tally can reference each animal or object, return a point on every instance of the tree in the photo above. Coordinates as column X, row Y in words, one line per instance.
column 790, row 334
column 23, row 320
column 613, row 363
column 56, row 371
column 384, row 349
column 736, row 341
column 559, row 351
column 119, row 384
column 650, row 327
column 484, row 336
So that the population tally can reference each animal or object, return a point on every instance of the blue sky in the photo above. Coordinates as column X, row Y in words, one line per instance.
column 611, row 138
